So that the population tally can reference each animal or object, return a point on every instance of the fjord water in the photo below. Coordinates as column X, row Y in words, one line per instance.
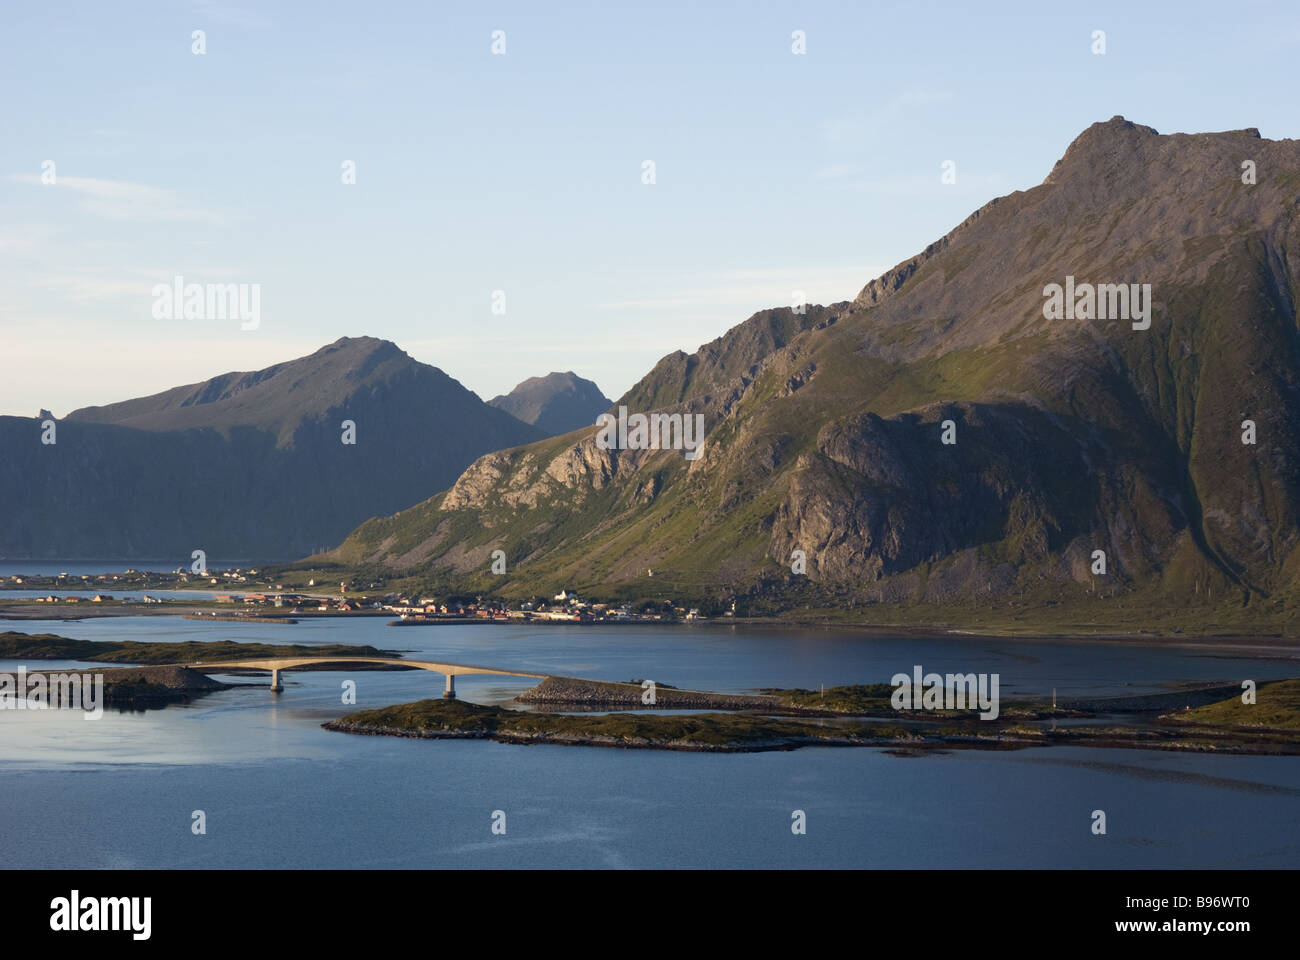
column 277, row 790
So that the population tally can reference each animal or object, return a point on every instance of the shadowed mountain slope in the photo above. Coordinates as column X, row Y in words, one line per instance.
column 825, row 429
column 245, row 465
column 556, row 403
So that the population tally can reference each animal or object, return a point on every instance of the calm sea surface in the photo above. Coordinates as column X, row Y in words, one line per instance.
column 277, row 790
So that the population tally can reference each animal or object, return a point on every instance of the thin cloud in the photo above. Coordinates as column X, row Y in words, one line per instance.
column 836, row 171
column 93, row 284
column 753, row 289
column 857, row 126
column 120, row 200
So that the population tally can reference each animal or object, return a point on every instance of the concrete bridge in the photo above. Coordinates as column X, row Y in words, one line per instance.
column 277, row 664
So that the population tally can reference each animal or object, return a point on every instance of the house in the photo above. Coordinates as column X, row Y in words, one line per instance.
column 100, row 598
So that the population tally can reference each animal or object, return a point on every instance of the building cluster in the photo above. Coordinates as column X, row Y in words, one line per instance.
column 565, row 606
column 300, row 602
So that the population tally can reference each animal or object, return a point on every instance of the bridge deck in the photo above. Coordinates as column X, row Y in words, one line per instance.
column 288, row 663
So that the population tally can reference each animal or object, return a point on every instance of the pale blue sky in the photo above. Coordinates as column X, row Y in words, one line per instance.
column 522, row 172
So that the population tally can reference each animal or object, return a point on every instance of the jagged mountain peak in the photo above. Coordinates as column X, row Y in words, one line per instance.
column 1068, row 436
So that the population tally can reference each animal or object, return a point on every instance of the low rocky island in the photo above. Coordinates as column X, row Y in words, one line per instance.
column 710, row 732
column 1199, row 718
column 143, row 687
column 788, row 719
column 164, row 673
column 48, row 646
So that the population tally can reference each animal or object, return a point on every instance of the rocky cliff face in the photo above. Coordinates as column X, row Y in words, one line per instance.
column 826, row 430
column 246, row 465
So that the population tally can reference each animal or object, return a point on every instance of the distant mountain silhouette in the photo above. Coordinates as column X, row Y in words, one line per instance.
column 556, row 403
column 245, row 465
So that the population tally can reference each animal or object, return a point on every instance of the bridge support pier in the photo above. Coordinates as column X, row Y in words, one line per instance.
column 276, row 684
column 451, row 687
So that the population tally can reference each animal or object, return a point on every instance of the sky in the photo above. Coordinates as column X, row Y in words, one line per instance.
column 500, row 225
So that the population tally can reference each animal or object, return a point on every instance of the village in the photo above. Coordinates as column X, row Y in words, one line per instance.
column 410, row 610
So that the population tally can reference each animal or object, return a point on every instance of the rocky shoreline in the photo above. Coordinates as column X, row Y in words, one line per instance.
column 1151, row 702
column 599, row 694
column 903, row 745
column 592, row 740
column 1216, row 723
column 150, row 686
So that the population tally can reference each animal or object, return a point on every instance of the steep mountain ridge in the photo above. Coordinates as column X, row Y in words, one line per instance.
column 824, row 429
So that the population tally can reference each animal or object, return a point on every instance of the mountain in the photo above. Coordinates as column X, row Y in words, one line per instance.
column 556, row 403
column 245, row 465
column 825, row 430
